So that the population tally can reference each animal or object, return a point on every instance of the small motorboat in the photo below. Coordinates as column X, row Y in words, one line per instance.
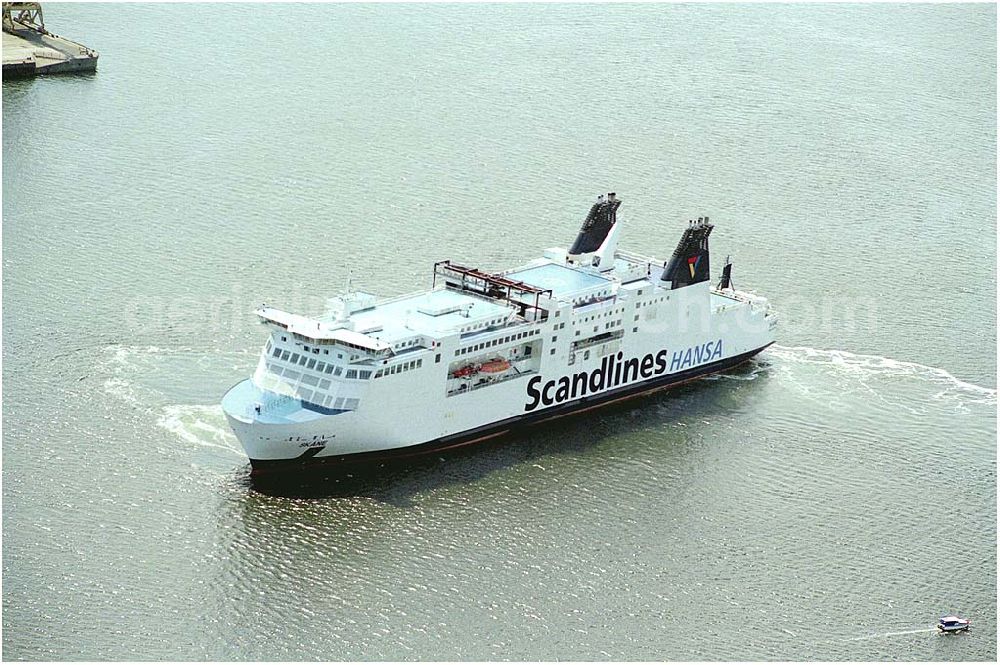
column 953, row 624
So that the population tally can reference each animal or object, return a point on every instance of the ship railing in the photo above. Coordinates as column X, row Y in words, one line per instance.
column 640, row 267
column 597, row 340
column 405, row 296
column 597, row 303
column 743, row 299
column 270, row 404
column 638, row 258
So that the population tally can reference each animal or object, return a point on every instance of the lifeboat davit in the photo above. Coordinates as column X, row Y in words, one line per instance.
column 495, row 366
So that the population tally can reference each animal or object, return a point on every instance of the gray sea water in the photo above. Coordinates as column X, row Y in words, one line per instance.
column 829, row 501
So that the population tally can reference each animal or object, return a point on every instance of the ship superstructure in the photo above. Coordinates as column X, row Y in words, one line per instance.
column 482, row 353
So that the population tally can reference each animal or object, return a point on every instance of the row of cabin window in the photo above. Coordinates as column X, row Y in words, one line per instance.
column 396, row 369
column 405, row 345
column 485, row 324
column 283, row 372
column 310, row 363
column 317, row 394
column 586, row 300
column 331, row 401
column 607, row 326
column 305, row 361
column 327, row 342
column 327, row 351
column 498, row 340
column 597, row 316
column 648, row 302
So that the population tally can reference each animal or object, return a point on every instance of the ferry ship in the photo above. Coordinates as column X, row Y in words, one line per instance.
column 483, row 353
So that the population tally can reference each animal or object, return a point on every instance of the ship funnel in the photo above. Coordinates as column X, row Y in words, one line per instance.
column 689, row 263
column 596, row 230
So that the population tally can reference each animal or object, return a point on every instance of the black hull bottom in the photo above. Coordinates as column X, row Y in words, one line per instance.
column 309, row 460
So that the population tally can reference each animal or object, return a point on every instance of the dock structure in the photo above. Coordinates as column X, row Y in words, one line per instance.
column 30, row 49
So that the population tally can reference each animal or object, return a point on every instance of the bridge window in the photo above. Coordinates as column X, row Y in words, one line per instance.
column 277, row 352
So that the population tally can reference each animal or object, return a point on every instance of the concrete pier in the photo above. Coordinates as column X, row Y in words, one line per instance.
column 30, row 49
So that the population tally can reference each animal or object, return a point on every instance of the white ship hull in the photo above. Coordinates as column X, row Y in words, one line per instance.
column 605, row 338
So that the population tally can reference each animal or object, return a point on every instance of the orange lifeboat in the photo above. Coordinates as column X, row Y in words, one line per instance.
column 468, row 370
column 495, row 366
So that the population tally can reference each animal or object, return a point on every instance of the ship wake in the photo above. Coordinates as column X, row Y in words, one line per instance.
column 176, row 388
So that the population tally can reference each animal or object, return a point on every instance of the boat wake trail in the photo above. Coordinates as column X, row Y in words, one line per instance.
column 867, row 367
column 875, row 636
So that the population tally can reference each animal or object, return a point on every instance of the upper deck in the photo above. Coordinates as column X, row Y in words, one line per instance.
column 564, row 282
column 433, row 314
column 466, row 301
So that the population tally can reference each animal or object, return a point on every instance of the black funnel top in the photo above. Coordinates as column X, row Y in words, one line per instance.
column 595, row 229
column 689, row 264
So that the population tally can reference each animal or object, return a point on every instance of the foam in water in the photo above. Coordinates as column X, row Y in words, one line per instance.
column 200, row 425
column 154, row 380
column 873, row 636
column 866, row 366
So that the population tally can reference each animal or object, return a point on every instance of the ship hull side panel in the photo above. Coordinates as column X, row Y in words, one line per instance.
column 482, row 433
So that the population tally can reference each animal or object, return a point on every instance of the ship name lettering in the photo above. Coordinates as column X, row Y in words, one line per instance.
column 614, row 371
